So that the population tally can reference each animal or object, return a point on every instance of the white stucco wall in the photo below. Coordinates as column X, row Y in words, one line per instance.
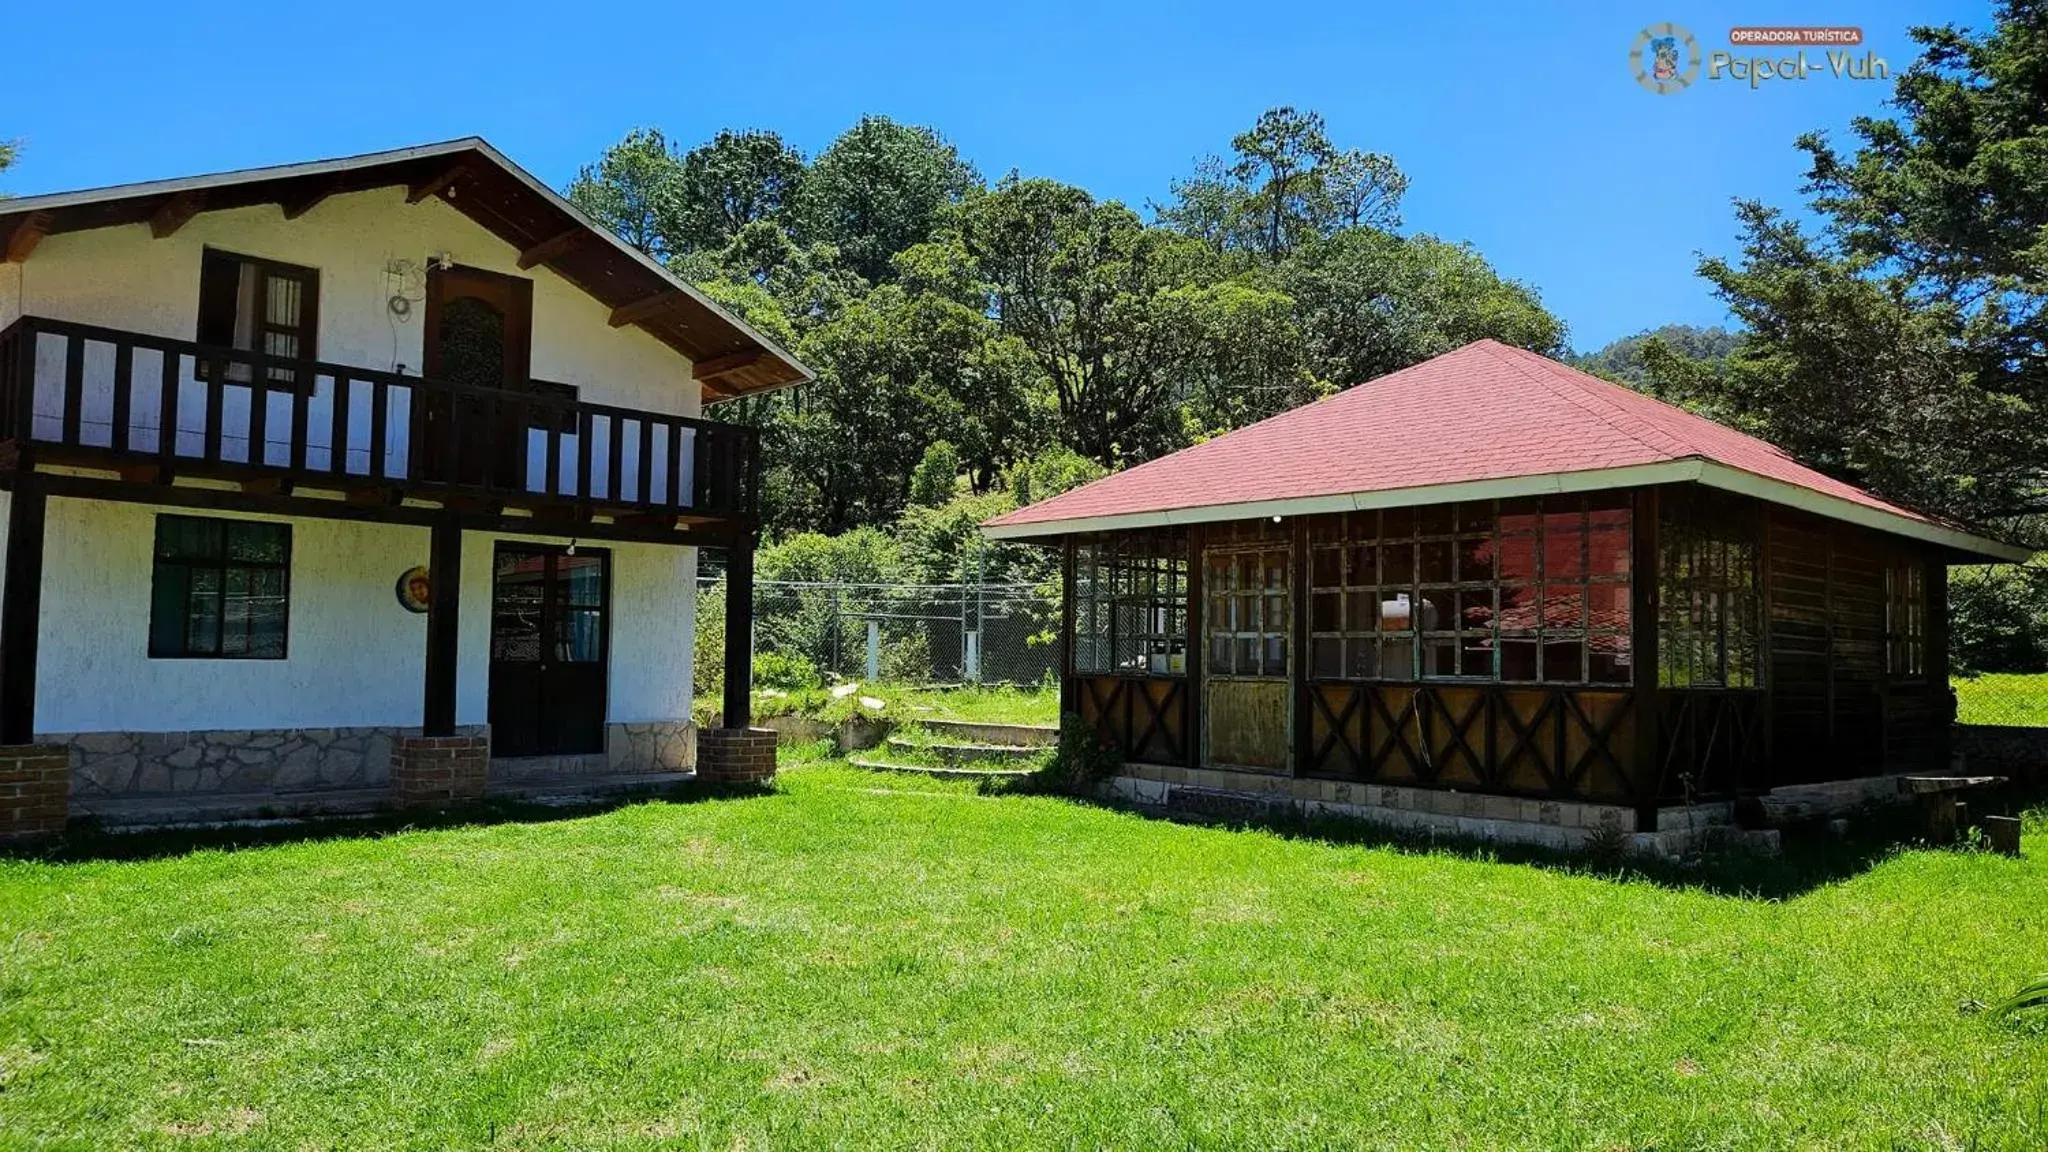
column 122, row 277
column 355, row 657
column 368, row 247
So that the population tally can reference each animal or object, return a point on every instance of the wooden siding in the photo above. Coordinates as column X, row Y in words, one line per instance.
column 1142, row 719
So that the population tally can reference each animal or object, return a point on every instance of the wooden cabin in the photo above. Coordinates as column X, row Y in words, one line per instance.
column 1495, row 575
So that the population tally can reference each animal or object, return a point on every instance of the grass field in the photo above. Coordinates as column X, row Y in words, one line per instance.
column 865, row 961
column 2003, row 698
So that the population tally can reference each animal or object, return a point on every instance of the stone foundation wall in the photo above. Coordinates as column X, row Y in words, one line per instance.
column 1556, row 824
column 128, row 765
column 652, row 746
column 1996, row 750
column 736, row 755
column 434, row 771
column 34, row 791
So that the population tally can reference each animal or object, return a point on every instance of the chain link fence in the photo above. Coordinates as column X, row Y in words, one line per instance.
column 900, row 633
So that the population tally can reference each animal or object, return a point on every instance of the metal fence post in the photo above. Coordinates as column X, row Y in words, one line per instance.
column 874, row 649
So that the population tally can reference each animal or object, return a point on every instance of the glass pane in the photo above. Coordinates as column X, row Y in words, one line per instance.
column 1247, row 659
column 1610, row 606
column 1329, row 658
column 170, row 590
column 582, row 636
column 1248, row 572
column 1397, row 523
column 1328, row 612
column 1476, row 518
column 1219, row 655
column 1475, row 611
column 1438, row 612
column 188, row 538
column 1361, row 566
column 1517, row 659
column 1516, row 560
column 1564, row 543
column 1477, row 560
column 1276, row 655
column 1564, row 606
column 202, row 612
column 1518, row 607
column 1608, row 553
column 257, row 543
column 1607, row 657
column 472, row 343
column 1397, row 659
column 1362, row 611
column 1364, row 658
column 1397, row 565
column 1276, row 614
column 1329, row 568
column 1436, row 562
column 1440, row 657
column 1475, row 654
column 1564, row 661
column 1434, row 520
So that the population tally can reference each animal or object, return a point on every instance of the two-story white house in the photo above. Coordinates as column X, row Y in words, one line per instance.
column 362, row 479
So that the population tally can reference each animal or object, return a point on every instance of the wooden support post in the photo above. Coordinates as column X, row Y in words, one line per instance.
column 1069, row 689
column 739, row 629
column 1197, row 653
column 21, row 610
column 1646, row 767
column 444, row 603
column 1297, row 645
column 2002, row 834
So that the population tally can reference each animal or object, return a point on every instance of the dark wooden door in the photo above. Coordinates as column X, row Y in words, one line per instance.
column 550, row 649
column 1248, row 700
column 479, row 335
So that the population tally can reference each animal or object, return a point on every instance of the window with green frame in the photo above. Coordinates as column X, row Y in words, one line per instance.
column 221, row 589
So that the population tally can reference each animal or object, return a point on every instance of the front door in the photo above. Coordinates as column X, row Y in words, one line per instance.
column 479, row 328
column 550, row 649
column 1247, row 702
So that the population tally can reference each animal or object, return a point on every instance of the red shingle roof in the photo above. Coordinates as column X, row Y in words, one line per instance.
column 1484, row 412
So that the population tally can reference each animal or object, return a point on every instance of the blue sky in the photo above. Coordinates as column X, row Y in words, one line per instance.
column 1522, row 132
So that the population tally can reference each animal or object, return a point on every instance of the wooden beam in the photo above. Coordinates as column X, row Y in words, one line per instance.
column 21, row 598
column 444, row 605
column 726, row 365
column 175, row 212
column 297, row 206
column 552, row 247
column 26, row 234
column 435, row 185
column 647, row 308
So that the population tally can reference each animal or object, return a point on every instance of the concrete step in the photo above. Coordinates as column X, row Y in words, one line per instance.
column 877, row 764
column 964, row 753
column 254, row 809
column 558, row 789
column 976, row 732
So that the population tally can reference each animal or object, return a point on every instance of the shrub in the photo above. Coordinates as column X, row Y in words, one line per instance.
column 784, row 671
column 1081, row 761
column 907, row 659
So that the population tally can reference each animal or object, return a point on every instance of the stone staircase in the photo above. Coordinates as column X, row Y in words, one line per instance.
column 963, row 748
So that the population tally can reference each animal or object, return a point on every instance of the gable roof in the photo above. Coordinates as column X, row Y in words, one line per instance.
column 1486, row 420
column 729, row 357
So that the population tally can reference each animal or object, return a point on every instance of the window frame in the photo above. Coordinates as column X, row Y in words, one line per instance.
column 1124, row 579
column 1222, row 604
column 1905, row 622
column 221, row 565
column 1430, row 555
column 307, row 331
column 1710, row 592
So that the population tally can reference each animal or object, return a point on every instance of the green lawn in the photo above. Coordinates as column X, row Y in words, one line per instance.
column 866, row 961
column 2003, row 698
column 994, row 704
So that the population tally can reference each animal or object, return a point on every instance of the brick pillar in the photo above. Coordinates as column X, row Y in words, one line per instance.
column 35, row 791
column 436, row 771
column 736, row 755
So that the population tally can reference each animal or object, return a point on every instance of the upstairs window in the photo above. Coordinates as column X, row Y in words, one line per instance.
column 221, row 589
column 1905, row 622
column 254, row 305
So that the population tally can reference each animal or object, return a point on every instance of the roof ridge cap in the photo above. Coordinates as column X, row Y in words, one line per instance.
column 1616, row 417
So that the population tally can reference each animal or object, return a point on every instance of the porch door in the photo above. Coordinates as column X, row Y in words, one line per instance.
column 550, row 649
column 1247, row 692
column 479, row 332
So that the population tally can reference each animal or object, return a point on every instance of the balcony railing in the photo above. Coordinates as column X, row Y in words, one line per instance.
column 80, row 393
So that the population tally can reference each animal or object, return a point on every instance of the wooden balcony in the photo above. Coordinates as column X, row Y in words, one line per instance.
column 79, row 395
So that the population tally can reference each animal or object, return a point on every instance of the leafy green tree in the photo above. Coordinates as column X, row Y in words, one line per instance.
column 634, row 190
column 880, row 188
column 1285, row 185
column 1043, row 476
column 936, row 476
column 1363, row 190
column 1371, row 302
column 737, row 179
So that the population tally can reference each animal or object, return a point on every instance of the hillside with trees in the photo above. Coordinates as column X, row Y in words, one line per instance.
column 1015, row 325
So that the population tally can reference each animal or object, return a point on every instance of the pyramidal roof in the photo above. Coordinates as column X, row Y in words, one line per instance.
column 1486, row 420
